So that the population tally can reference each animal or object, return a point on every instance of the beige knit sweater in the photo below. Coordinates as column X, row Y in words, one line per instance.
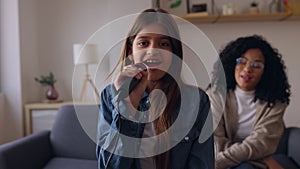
column 263, row 140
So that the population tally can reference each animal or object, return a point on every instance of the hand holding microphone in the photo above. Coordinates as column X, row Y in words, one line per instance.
column 131, row 78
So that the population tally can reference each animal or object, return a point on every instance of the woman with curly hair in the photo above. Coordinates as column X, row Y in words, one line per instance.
column 250, row 124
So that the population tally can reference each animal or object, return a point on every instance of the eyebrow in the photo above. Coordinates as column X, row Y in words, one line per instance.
column 256, row 60
column 148, row 37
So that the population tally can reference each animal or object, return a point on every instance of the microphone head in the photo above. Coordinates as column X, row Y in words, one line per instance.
column 141, row 66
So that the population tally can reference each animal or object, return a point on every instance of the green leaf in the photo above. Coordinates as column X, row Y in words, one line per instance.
column 176, row 4
column 46, row 80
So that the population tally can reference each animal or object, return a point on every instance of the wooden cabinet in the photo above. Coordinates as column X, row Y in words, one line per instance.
column 40, row 116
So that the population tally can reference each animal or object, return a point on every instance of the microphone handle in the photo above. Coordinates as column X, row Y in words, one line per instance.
column 130, row 83
column 126, row 88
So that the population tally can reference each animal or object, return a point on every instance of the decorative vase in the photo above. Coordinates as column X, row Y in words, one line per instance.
column 254, row 10
column 52, row 93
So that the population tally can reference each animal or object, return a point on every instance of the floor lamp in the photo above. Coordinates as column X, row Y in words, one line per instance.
column 86, row 55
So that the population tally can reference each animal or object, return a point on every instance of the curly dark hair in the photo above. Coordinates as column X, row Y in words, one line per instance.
column 273, row 86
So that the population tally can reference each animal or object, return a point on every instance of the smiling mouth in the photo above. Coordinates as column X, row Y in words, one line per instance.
column 246, row 78
column 152, row 63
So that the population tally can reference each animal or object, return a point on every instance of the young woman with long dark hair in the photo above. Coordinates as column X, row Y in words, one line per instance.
column 156, row 124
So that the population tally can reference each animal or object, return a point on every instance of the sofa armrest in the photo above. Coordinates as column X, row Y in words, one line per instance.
column 293, row 144
column 31, row 152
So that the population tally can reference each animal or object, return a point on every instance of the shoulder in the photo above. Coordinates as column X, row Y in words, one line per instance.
column 194, row 91
column 197, row 102
column 219, row 96
column 201, row 108
column 108, row 93
column 278, row 106
column 109, row 90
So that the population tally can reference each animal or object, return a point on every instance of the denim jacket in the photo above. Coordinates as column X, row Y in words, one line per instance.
column 191, row 138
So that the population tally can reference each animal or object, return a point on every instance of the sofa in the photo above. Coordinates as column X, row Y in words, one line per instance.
column 69, row 145
column 288, row 150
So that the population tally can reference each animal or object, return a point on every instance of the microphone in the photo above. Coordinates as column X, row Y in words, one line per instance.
column 126, row 88
column 130, row 83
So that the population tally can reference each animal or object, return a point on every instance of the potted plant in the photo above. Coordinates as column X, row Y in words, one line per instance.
column 49, row 81
column 254, row 7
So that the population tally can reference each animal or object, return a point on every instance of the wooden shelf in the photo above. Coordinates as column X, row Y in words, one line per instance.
column 294, row 17
column 199, row 18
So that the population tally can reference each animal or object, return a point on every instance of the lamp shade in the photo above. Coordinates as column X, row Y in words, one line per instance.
column 85, row 54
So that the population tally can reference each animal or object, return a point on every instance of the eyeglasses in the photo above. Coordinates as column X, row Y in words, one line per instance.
column 243, row 61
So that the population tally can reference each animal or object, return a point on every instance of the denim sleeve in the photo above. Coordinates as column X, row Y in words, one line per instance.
column 202, row 151
column 114, row 131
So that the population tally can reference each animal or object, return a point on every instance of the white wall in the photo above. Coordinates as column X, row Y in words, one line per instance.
column 30, row 59
column 10, row 70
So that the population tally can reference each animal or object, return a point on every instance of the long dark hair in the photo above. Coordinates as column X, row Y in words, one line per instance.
column 273, row 85
column 169, row 83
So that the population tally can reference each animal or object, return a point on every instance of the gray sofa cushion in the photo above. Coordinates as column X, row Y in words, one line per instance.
column 67, row 146
column 287, row 153
column 31, row 152
column 285, row 161
column 71, row 163
column 67, row 134
column 294, row 146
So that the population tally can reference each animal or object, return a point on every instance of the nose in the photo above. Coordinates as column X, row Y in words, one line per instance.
column 248, row 68
column 152, row 50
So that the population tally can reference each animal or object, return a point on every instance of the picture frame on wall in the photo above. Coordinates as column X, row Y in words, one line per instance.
column 183, row 7
column 175, row 7
column 200, row 6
